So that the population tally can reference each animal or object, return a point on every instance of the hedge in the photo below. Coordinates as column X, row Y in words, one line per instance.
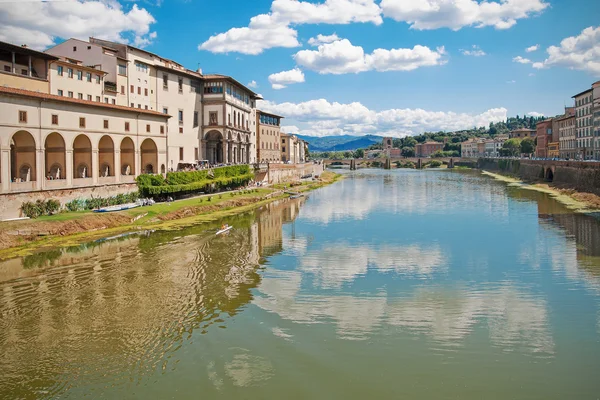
column 216, row 184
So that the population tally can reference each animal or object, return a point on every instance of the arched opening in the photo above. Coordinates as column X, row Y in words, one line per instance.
column 127, row 157
column 22, row 157
column 106, row 155
column 55, row 157
column 163, row 169
column 214, row 147
column 149, row 156
column 82, row 157
column 549, row 175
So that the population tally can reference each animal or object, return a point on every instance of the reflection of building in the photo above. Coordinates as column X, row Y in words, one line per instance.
column 270, row 225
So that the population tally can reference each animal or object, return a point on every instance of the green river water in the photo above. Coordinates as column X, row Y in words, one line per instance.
column 385, row 285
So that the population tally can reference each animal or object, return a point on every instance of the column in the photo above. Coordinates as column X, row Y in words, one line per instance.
column 14, row 71
column 5, row 169
column 40, row 170
column 224, row 151
column 117, row 169
column 138, row 162
column 203, row 153
column 69, row 167
column 30, row 73
column 95, row 166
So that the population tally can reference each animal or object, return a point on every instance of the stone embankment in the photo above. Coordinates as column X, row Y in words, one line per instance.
column 578, row 175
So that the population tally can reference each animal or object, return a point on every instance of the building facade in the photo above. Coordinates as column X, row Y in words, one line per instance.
column 427, row 149
column 596, row 118
column 567, row 137
column 544, row 137
column 269, row 137
column 584, row 124
column 522, row 133
column 54, row 142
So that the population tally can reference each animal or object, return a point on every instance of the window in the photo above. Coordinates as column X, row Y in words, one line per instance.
column 180, row 153
column 70, row 72
column 114, row 102
column 88, row 76
column 106, row 100
column 213, row 118
column 195, row 119
column 165, row 81
column 122, row 89
column 89, row 47
column 89, row 97
column 165, row 110
column 122, row 69
column 229, row 119
column 180, row 130
column 79, row 75
column 146, row 107
column 70, row 94
column 98, row 99
column 59, row 70
column 180, row 115
column 162, row 129
column 139, row 106
column 213, row 87
column 126, row 126
column 74, row 48
column 148, row 128
column 23, row 117
column 54, row 119
column 81, row 122
column 139, row 90
column 141, row 67
column 145, row 92
column 60, row 92
column 98, row 79
column 180, row 84
column 132, row 105
column 196, row 153
column 80, row 96
column 105, row 124
column 131, row 89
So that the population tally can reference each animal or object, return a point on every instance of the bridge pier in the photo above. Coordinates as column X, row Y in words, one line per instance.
column 451, row 163
column 419, row 164
column 388, row 163
column 353, row 165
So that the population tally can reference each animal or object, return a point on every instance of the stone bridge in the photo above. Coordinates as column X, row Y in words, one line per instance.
column 387, row 163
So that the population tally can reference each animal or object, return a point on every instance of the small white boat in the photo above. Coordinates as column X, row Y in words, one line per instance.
column 226, row 229
column 120, row 207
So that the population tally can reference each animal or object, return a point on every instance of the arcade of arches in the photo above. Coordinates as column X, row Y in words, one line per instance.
column 57, row 163
column 234, row 148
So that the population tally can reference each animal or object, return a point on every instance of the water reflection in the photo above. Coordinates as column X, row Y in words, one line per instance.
column 423, row 267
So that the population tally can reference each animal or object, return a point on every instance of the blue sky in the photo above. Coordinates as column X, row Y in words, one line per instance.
column 395, row 91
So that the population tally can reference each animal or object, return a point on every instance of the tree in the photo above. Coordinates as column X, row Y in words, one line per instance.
column 408, row 151
column 409, row 141
column 348, row 154
column 527, row 146
column 360, row 153
column 511, row 148
column 438, row 154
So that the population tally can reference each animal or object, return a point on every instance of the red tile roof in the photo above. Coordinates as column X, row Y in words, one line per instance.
column 52, row 97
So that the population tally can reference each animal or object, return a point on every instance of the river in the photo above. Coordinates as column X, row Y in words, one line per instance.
column 387, row 284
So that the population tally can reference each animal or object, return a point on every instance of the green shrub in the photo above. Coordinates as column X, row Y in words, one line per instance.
column 435, row 164
column 40, row 207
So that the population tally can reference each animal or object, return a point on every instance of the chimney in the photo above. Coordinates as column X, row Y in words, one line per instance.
column 199, row 70
column 24, row 46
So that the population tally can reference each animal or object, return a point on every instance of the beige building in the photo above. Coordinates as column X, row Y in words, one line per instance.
column 23, row 68
column 70, row 78
column 269, row 137
column 54, row 142
column 584, row 129
column 522, row 133
column 290, row 149
column 567, row 137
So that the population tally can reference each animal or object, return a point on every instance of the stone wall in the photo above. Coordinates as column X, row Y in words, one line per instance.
column 578, row 175
column 10, row 204
column 279, row 173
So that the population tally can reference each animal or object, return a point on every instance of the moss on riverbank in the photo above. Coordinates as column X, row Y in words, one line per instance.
column 579, row 202
column 19, row 238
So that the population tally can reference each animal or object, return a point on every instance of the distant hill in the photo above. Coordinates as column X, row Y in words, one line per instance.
column 340, row 143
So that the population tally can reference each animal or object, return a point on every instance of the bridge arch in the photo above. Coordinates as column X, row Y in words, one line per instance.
column 549, row 174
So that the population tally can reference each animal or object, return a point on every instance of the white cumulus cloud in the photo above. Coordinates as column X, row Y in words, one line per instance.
column 456, row 14
column 252, row 84
column 521, row 60
column 270, row 30
column 475, row 51
column 322, row 118
column 342, row 57
column 533, row 48
column 534, row 114
column 581, row 52
column 41, row 24
column 281, row 79
column 322, row 39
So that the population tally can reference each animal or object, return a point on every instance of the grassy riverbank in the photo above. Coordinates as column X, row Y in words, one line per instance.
column 19, row 238
column 579, row 202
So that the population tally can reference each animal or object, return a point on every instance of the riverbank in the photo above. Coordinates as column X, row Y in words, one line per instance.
column 584, row 203
column 19, row 238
